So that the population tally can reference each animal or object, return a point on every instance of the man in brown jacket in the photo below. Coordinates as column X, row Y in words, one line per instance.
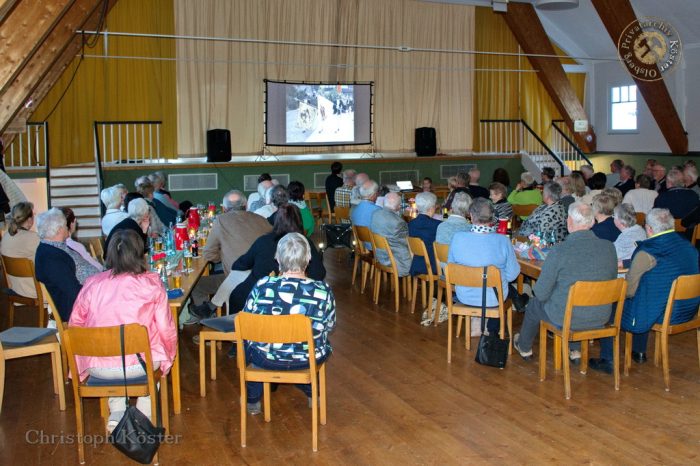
column 231, row 236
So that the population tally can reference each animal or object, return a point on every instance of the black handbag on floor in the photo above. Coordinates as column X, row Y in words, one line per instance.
column 135, row 435
column 492, row 350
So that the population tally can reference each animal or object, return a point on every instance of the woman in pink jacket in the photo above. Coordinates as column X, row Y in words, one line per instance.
column 126, row 293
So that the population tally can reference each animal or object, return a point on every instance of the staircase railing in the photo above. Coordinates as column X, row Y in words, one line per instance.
column 499, row 137
column 562, row 142
column 118, row 142
column 29, row 149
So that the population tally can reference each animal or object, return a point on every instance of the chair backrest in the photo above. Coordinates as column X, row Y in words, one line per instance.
column 696, row 235
column 462, row 275
column 683, row 287
column 97, row 247
column 104, row 341
column 524, row 210
column 677, row 226
column 442, row 250
column 595, row 293
column 362, row 235
column 379, row 242
column 54, row 311
column 641, row 218
column 341, row 213
column 23, row 268
column 417, row 247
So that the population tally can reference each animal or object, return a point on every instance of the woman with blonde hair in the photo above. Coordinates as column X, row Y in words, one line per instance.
column 21, row 242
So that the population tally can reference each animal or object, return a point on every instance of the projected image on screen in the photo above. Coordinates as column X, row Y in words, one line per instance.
column 317, row 114
column 320, row 114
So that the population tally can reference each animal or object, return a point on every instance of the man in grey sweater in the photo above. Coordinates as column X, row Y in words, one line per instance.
column 581, row 257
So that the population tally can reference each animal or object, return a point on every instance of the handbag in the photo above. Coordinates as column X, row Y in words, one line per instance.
column 135, row 435
column 492, row 350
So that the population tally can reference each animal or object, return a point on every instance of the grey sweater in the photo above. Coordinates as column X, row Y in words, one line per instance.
column 581, row 257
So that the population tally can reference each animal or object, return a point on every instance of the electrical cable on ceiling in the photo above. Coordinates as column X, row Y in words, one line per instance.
column 91, row 42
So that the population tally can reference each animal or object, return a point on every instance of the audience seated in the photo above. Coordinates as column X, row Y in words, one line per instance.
column 232, row 234
column 474, row 189
column 659, row 178
column 293, row 292
column 296, row 190
column 355, row 195
column 457, row 220
column 678, row 199
column 626, row 182
column 480, row 247
column 343, row 193
column 656, row 263
column 387, row 222
column 603, row 208
column 275, row 197
column 690, row 221
column 361, row 214
column 333, row 182
column 501, row 207
column 596, row 184
column 547, row 218
column 61, row 269
column 526, row 192
column 613, row 193
column 257, row 199
column 424, row 226
column 139, row 220
column 500, row 175
column 641, row 197
column 567, row 196
column 630, row 233
column 161, row 216
column 160, row 193
column 20, row 241
column 615, row 175
column 578, row 185
column 126, row 293
column 260, row 258
column 581, row 257
column 112, row 199
column 587, row 172
column 427, row 185
column 690, row 175
column 77, row 246
column 457, row 185
column 547, row 174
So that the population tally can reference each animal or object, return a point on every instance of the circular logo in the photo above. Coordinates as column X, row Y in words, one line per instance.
column 649, row 48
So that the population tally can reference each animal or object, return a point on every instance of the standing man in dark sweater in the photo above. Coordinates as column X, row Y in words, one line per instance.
column 333, row 182
column 582, row 256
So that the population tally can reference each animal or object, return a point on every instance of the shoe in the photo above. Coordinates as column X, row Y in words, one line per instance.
column 203, row 311
column 425, row 316
column 113, row 420
column 640, row 358
column 520, row 301
column 526, row 355
column 195, row 340
column 575, row 357
column 232, row 352
column 254, row 408
column 601, row 365
column 192, row 320
column 444, row 314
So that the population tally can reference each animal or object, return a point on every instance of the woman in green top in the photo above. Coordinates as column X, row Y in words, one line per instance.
column 296, row 197
column 526, row 192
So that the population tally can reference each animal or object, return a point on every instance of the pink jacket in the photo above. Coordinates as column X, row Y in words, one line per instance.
column 107, row 300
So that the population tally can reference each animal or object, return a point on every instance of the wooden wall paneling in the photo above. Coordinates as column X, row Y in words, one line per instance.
column 616, row 15
column 523, row 21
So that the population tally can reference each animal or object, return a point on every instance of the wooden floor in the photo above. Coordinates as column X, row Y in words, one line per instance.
column 393, row 399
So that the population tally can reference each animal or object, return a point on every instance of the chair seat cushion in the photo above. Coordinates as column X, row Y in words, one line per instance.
column 24, row 336
column 93, row 381
column 222, row 324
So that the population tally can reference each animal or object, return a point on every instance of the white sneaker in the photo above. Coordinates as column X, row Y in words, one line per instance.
column 524, row 354
column 475, row 326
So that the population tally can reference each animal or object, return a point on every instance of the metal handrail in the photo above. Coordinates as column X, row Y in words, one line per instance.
column 571, row 143
column 545, row 146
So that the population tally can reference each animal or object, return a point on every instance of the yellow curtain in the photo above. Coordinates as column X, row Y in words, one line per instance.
column 107, row 89
column 511, row 95
column 220, row 85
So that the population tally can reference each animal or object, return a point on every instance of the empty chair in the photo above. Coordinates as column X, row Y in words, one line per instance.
column 216, row 329
column 363, row 255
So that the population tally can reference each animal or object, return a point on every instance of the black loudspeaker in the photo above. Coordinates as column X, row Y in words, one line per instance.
column 426, row 144
column 218, row 145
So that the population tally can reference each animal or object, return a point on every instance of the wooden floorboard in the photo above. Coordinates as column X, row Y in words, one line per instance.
column 392, row 399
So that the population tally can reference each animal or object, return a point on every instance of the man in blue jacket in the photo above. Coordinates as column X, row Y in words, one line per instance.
column 424, row 226
column 656, row 263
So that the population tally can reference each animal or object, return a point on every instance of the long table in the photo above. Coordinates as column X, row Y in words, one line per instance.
column 188, row 282
column 528, row 268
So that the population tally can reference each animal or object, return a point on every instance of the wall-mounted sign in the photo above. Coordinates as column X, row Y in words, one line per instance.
column 580, row 126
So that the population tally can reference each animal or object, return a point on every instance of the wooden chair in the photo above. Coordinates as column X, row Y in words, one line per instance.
column 441, row 253
column 641, row 218
column 696, row 235
column 461, row 275
column 677, row 226
column 341, row 213
column 362, row 254
column 105, row 342
column 280, row 329
column 417, row 247
column 380, row 243
column 584, row 294
column 520, row 212
column 60, row 327
column 97, row 248
column 684, row 287
column 23, row 268
column 208, row 334
column 47, row 345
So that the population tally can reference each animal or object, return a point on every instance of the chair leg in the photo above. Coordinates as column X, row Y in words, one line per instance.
column 543, row 352
column 80, row 425
column 431, row 290
column 104, row 409
column 584, row 356
column 354, row 268
column 557, row 352
column 396, row 291
column 664, row 361
column 616, row 361
column 2, row 380
column 422, row 292
column 414, row 295
column 64, row 364
column 212, row 360
column 202, row 367
column 628, row 353
column 567, row 368
column 377, row 285
column 438, row 306
column 11, row 314
column 58, row 377
column 459, row 326
column 322, row 391
column 266, row 401
column 449, row 338
column 42, row 315
column 244, row 411
column 509, row 313
column 467, row 332
column 365, row 267
column 698, row 337
column 314, row 416
column 657, row 348
column 164, row 409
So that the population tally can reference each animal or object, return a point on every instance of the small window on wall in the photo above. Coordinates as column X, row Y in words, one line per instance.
column 623, row 108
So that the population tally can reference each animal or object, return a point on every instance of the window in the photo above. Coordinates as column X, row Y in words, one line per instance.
column 623, row 108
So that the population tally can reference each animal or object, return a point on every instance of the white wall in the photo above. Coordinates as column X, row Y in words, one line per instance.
column 681, row 84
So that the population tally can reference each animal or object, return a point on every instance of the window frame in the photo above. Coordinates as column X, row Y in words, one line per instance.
column 610, row 108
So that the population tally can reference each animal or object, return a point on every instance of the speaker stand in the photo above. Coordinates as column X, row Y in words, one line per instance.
column 371, row 154
column 265, row 156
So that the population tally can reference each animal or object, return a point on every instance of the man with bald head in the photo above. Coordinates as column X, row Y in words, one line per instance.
column 361, row 214
column 387, row 222
column 360, row 179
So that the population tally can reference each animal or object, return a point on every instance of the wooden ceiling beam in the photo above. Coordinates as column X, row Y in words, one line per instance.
column 5, row 9
column 616, row 15
column 54, row 53
column 530, row 34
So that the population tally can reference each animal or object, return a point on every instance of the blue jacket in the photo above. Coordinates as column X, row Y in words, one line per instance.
column 56, row 269
column 679, row 201
column 674, row 256
column 606, row 230
column 425, row 228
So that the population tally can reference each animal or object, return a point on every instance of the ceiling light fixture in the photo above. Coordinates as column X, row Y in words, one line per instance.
column 556, row 4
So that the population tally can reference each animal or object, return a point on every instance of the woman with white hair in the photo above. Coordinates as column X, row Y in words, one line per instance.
column 112, row 199
column 139, row 220
column 457, row 220
column 60, row 268
column 291, row 292
column 526, row 192
column 630, row 233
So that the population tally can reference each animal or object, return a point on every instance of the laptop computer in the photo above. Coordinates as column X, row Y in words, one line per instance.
column 404, row 185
